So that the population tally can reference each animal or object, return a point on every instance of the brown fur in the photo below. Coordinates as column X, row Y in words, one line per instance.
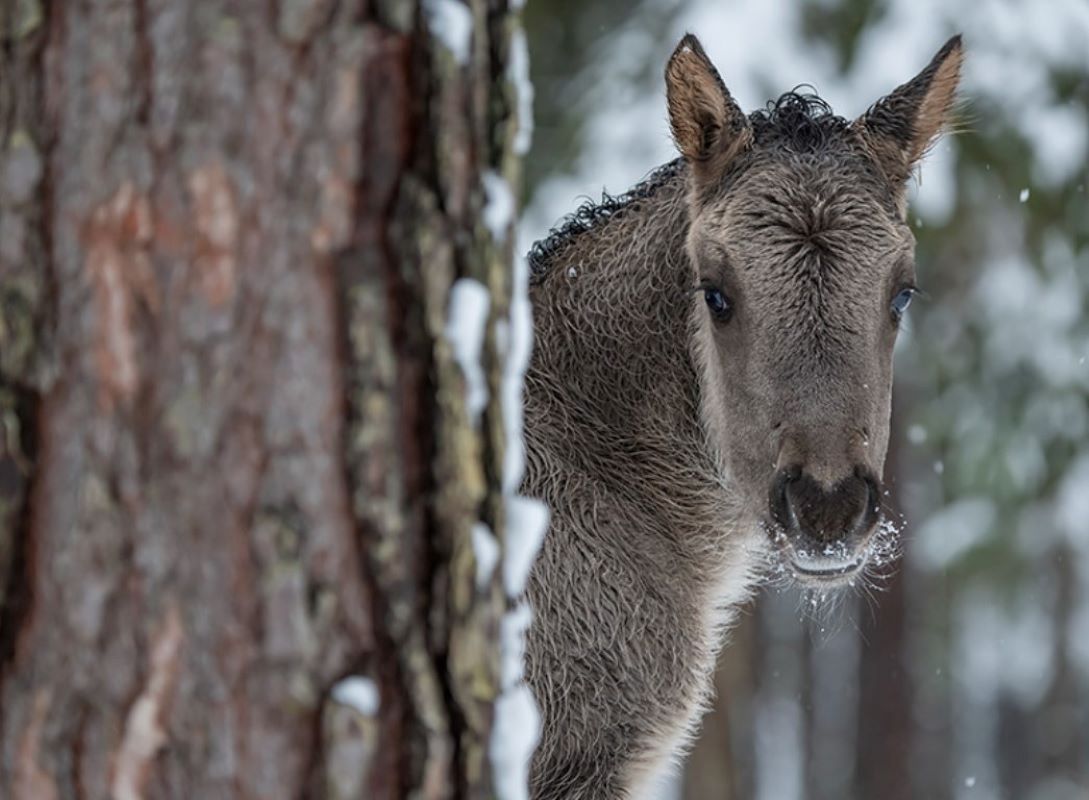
column 709, row 128
column 661, row 438
column 900, row 128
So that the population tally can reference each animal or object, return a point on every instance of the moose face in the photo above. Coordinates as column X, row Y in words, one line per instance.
column 803, row 270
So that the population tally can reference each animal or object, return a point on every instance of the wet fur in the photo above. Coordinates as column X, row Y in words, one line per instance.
column 656, row 534
column 628, row 589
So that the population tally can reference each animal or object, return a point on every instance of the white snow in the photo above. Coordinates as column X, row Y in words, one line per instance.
column 517, row 721
column 486, row 552
column 1036, row 334
column 516, row 340
column 451, row 22
column 466, row 324
column 514, row 737
column 499, row 207
column 916, row 434
column 1059, row 135
column 519, row 76
column 527, row 521
column 933, row 194
column 358, row 693
column 952, row 532
column 1072, row 503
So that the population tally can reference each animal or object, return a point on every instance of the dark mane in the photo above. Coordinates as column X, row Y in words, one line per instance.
column 798, row 121
column 589, row 214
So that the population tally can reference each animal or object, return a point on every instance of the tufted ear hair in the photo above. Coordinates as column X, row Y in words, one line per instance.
column 708, row 127
column 899, row 128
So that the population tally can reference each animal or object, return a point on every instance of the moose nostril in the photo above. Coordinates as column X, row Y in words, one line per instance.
column 871, row 511
column 868, row 500
column 802, row 507
column 779, row 500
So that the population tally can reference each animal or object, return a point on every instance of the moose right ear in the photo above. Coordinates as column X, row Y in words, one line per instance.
column 898, row 129
column 708, row 127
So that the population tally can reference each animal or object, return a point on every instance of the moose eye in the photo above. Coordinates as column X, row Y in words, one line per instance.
column 717, row 303
column 900, row 303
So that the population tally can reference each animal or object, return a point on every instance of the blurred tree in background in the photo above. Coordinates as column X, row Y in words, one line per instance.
column 966, row 672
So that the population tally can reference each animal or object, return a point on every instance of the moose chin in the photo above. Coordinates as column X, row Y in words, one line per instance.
column 710, row 393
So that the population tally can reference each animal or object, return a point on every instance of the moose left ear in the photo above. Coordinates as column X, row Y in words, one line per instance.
column 898, row 129
column 708, row 126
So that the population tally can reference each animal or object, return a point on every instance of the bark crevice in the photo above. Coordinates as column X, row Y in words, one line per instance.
column 256, row 460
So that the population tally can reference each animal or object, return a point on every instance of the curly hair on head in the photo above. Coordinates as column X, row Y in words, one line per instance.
column 799, row 121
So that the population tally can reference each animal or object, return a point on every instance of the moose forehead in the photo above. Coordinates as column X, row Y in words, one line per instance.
column 807, row 241
column 775, row 216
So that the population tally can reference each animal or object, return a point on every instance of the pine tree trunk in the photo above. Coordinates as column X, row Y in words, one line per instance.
column 237, row 471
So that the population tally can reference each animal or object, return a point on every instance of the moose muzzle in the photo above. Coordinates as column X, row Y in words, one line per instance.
column 824, row 530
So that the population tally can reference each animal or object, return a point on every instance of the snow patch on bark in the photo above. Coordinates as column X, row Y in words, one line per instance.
column 486, row 553
column 517, row 721
column 451, row 23
column 516, row 730
column 527, row 521
column 358, row 693
column 519, row 76
column 466, row 324
column 499, row 209
column 515, row 340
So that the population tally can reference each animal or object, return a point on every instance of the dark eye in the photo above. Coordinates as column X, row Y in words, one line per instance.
column 716, row 301
column 900, row 303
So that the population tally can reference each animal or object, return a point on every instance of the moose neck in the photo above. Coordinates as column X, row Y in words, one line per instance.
column 612, row 374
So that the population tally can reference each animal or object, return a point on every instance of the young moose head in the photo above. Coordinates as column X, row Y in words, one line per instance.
column 804, row 267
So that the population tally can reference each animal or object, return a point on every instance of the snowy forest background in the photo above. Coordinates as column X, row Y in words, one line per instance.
column 967, row 675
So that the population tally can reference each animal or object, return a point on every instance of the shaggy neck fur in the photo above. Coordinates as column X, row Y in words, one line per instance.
column 645, row 554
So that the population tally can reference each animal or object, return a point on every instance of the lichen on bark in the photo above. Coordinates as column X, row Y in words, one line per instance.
column 236, row 466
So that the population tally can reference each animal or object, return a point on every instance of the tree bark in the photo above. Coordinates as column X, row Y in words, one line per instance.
column 237, row 471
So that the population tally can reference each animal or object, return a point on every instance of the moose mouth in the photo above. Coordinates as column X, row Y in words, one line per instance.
column 823, row 535
column 828, row 566
column 826, row 571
